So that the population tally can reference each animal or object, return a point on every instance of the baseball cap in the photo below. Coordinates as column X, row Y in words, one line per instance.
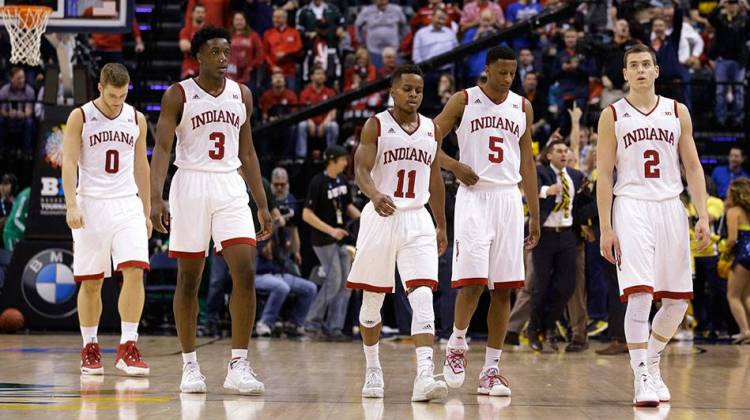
column 334, row 152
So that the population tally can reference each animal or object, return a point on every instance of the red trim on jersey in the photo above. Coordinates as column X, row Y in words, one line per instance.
column 472, row 281
column 466, row 97
column 133, row 263
column 242, row 94
column 369, row 288
column 676, row 115
column 187, row 255
column 434, row 130
column 223, row 86
column 614, row 113
column 492, row 100
column 508, row 284
column 135, row 116
column 635, row 289
column 236, row 241
column 182, row 89
column 85, row 277
column 377, row 121
column 419, row 121
column 414, row 283
column 658, row 98
column 672, row 295
column 107, row 116
column 523, row 105
column 83, row 114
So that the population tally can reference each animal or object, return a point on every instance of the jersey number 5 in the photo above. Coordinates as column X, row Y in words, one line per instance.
column 111, row 161
column 218, row 152
column 651, row 166
column 496, row 151
column 400, row 187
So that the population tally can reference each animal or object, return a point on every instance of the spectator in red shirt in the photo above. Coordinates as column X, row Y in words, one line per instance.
column 247, row 52
column 323, row 125
column 108, row 46
column 423, row 17
column 281, row 45
column 275, row 103
column 362, row 67
column 217, row 12
column 190, row 65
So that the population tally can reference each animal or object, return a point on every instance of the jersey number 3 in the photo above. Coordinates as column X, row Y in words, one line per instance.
column 651, row 166
column 412, row 175
column 218, row 152
column 496, row 151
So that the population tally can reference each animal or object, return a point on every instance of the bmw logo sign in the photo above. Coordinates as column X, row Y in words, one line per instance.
column 48, row 285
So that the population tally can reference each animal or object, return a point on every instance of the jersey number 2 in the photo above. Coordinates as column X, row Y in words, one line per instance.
column 651, row 166
column 496, row 151
column 112, row 161
column 400, row 187
column 218, row 152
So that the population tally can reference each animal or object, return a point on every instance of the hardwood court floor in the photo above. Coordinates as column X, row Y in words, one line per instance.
column 39, row 378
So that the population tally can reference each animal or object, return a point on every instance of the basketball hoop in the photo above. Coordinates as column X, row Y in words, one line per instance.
column 25, row 24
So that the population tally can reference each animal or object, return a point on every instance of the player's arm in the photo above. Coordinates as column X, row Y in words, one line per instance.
column 528, row 178
column 171, row 109
column 437, row 198
column 364, row 161
column 694, row 174
column 71, row 155
column 141, row 171
column 251, row 168
column 606, row 153
column 446, row 121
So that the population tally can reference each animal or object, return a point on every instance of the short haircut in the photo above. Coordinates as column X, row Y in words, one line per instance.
column 551, row 145
column 279, row 172
column 500, row 53
column 742, row 152
column 530, row 73
column 206, row 34
column 197, row 5
column 635, row 49
column 114, row 74
column 15, row 70
column 317, row 67
column 406, row 69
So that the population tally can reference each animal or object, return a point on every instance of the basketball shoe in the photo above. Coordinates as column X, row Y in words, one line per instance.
column 659, row 386
column 192, row 379
column 645, row 395
column 129, row 360
column 454, row 369
column 426, row 388
column 374, row 384
column 91, row 360
column 242, row 378
column 491, row 383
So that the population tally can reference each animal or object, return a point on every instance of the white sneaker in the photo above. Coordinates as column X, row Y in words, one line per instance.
column 454, row 369
column 262, row 329
column 645, row 395
column 426, row 388
column 659, row 386
column 491, row 383
column 684, row 335
column 192, row 379
column 374, row 384
column 242, row 378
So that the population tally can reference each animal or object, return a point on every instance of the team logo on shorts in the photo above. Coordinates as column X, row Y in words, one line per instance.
column 48, row 285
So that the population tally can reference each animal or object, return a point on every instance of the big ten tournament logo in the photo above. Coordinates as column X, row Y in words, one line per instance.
column 52, row 198
column 48, row 285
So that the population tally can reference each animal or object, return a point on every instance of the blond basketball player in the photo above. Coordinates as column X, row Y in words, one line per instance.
column 493, row 126
column 208, row 199
column 396, row 169
column 645, row 232
column 104, row 155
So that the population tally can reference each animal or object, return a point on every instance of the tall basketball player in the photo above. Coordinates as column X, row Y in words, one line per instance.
column 493, row 126
column 105, row 140
column 208, row 199
column 396, row 169
column 645, row 232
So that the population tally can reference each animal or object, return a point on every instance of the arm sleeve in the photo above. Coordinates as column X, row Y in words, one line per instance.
column 313, row 193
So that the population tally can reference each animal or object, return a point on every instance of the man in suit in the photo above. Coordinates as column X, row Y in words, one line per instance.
column 554, row 258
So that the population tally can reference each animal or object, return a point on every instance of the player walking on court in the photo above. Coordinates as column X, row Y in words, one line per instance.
column 396, row 169
column 208, row 199
column 493, row 126
column 105, row 140
column 645, row 232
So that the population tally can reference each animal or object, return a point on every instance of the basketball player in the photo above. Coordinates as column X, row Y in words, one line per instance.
column 105, row 140
column 645, row 232
column 493, row 126
column 396, row 169
column 208, row 199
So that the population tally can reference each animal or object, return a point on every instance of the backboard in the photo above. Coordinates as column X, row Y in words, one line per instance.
column 83, row 15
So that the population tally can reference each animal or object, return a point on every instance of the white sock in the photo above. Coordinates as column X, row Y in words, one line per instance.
column 129, row 332
column 424, row 358
column 492, row 358
column 372, row 355
column 191, row 357
column 637, row 357
column 239, row 353
column 89, row 334
column 458, row 339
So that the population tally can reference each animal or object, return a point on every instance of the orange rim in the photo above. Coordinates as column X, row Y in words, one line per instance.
column 27, row 15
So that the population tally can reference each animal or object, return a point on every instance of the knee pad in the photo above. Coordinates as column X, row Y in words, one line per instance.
column 674, row 309
column 423, row 315
column 639, row 307
column 369, row 313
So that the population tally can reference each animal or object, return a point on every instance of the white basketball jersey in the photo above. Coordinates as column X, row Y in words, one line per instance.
column 489, row 136
column 402, row 167
column 105, row 166
column 208, row 135
column 648, row 160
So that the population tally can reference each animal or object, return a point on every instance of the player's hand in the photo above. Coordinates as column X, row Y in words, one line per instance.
column 74, row 217
column 384, row 205
column 465, row 174
column 702, row 234
column 149, row 227
column 160, row 215
column 609, row 247
column 554, row 190
column 442, row 240
column 532, row 240
column 266, row 224
column 338, row 233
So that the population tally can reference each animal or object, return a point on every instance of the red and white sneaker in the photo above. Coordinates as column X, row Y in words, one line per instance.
column 493, row 384
column 129, row 360
column 454, row 369
column 91, row 360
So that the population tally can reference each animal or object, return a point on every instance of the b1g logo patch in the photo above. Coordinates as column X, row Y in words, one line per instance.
column 48, row 285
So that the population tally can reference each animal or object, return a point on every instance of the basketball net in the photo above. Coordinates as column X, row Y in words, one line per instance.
column 25, row 24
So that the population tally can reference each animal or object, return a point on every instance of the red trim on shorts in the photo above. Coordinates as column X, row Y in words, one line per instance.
column 235, row 241
column 85, row 277
column 369, row 288
column 182, row 89
column 676, row 115
column 508, row 284
column 187, row 255
column 472, row 281
column 614, row 113
column 414, row 283
column 133, row 263
column 635, row 289
column 672, row 295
